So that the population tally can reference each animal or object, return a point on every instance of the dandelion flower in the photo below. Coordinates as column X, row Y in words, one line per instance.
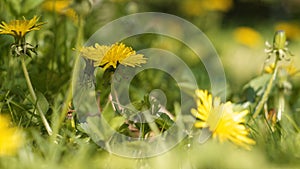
column 218, row 5
column 269, row 68
column 247, row 36
column 61, row 7
column 290, row 69
column 19, row 28
column 223, row 122
column 10, row 138
column 198, row 7
column 107, row 56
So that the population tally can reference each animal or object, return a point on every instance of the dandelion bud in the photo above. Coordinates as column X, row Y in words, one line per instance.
column 279, row 41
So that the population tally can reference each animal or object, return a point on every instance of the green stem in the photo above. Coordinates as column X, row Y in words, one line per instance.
column 34, row 98
column 151, row 123
column 267, row 91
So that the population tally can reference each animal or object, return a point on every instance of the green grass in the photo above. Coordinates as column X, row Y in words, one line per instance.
column 51, row 73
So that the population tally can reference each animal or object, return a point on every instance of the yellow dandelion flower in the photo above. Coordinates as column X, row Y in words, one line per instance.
column 19, row 28
column 292, row 30
column 10, row 138
column 229, row 126
column 269, row 68
column 247, row 36
column 204, row 105
column 218, row 5
column 290, row 69
column 200, row 7
column 107, row 56
column 61, row 7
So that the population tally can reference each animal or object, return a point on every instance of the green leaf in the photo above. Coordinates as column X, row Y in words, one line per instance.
column 258, row 84
column 124, row 129
column 108, row 112
column 164, row 121
column 42, row 101
column 116, row 122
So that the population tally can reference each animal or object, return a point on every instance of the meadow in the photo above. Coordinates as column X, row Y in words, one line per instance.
column 149, row 84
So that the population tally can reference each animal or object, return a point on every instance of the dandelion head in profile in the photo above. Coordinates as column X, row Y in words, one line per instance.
column 222, row 121
column 111, row 56
column 10, row 137
column 18, row 29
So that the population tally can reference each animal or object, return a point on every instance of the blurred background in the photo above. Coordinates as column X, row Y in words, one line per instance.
column 237, row 29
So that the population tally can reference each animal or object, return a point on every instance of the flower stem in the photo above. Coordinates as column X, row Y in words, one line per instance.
column 267, row 91
column 34, row 98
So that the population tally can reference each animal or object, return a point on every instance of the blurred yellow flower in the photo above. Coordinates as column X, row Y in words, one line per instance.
column 61, row 7
column 247, row 36
column 19, row 28
column 292, row 30
column 221, row 119
column 290, row 69
column 10, row 137
column 106, row 56
column 218, row 5
column 199, row 7
column 269, row 68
